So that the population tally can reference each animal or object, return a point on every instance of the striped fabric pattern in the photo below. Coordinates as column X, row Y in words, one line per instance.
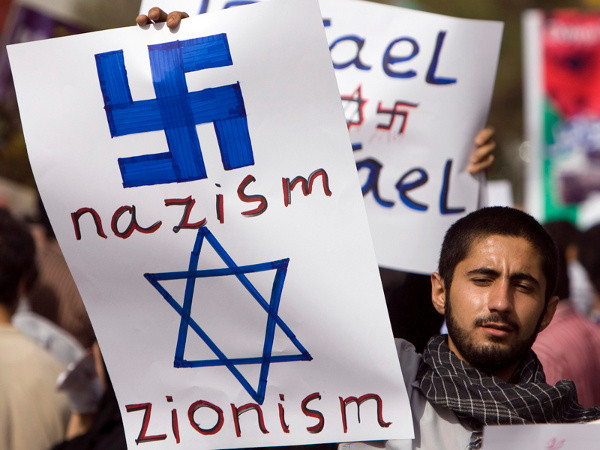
column 478, row 398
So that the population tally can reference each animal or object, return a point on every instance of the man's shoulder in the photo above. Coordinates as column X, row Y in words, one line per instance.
column 407, row 351
column 22, row 353
column 409, row 362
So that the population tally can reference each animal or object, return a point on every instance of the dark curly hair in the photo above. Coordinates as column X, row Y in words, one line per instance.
column 500, row 221
column 17, row 258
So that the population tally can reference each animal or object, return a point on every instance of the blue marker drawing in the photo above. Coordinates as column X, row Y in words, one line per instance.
column 176, row 111
column 233, row 3
column 271, row 307
column 229, row 4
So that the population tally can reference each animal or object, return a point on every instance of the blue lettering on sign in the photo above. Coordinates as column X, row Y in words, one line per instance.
column 176, row 111
column 371, row 184
column 356, row 60
column 403, row 187
column 431, row 77
column 388, row 59
column 233, row 3
column 444, row 209
column 406, row 183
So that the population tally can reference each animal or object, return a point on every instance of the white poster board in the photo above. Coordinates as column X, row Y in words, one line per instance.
column 499, row 193
column 216, row 233
column 416, row 88
column 542, row 437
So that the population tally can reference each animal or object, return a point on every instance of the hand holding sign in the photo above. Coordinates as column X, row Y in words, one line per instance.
column 157, row 15
column 483, row 155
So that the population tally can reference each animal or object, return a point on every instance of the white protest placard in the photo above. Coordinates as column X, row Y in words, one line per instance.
column 542, row 437
column 202, row 187
column 416, row 88
column 499, row 193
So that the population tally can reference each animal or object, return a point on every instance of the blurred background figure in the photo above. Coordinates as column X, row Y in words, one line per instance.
column 567, row 238
column 412, row 315
column 34, row 414
column 589, row 256
column 569, row 348
column 55, row 295
column 37, row 311
column 102, row 429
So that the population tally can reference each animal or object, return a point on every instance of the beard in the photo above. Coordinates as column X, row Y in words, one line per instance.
column 491, row 355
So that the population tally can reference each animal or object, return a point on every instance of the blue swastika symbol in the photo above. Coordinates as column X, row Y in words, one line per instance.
column 176, row 111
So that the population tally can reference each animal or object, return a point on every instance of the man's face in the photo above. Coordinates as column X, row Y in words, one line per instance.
column 495, row 306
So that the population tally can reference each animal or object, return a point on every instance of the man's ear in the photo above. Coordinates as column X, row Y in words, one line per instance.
column 549, row 313
column 438, row 293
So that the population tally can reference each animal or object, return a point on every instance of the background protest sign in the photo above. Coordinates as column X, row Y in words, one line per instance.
column 542, row 436
column 416, row 88
column 217, row 234
column 562, row 74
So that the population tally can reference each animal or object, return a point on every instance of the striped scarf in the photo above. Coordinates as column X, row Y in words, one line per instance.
column 478, row 398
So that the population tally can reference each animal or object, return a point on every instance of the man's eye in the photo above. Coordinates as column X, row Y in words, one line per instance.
column 481, row 281
column 524, row 287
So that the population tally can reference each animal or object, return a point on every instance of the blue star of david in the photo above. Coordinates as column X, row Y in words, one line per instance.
column 271, row 307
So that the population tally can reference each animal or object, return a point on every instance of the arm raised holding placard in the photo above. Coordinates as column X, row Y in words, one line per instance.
column 483, row 156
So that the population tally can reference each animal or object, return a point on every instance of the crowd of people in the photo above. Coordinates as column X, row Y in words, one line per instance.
column 520, row 303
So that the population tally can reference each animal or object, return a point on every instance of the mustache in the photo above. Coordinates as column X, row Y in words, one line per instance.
column 497, row 319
